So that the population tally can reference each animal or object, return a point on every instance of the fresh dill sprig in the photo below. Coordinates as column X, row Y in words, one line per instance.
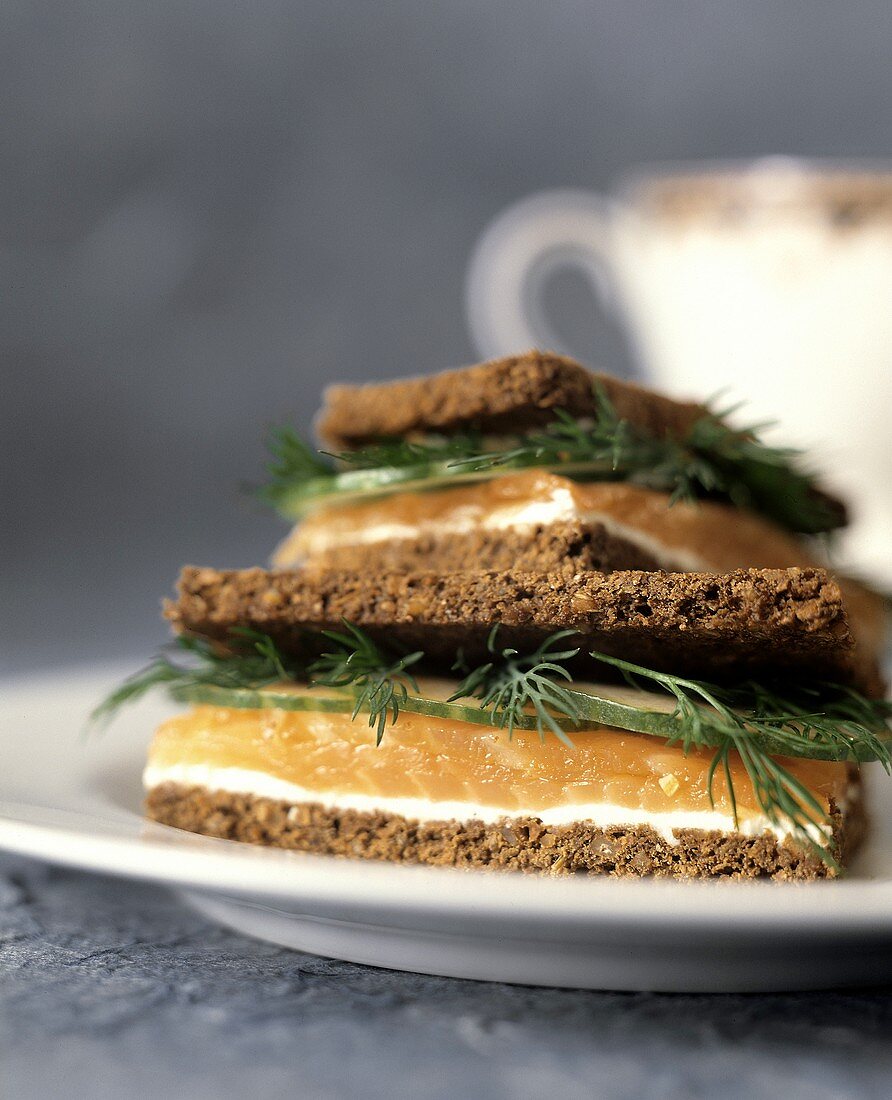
column 822, row 721
column 380, row 682
column 299, row 477
column 292, row 463
column 712, row 459
column 759, row 722
column 752, row 474
column 200, row 664
column 607, row 440
column 405, row 452
column 510, row 683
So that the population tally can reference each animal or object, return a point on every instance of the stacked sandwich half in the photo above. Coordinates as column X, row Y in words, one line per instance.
column 535, row 618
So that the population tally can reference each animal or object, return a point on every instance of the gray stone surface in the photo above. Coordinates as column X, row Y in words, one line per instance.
column 112, row 989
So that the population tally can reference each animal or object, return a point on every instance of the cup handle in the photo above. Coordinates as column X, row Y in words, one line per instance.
column 517, row 254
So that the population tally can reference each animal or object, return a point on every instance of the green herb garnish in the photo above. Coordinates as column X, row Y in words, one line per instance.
column 510, row 685
column 711, row 460
column 377, row 681
column 293, row 463
column 201, row 664
column 300, row 478
column 449, row 449
column 380, row 683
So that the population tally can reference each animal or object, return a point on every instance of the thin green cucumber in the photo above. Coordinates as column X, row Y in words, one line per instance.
column 597, row 705
column 343, row 702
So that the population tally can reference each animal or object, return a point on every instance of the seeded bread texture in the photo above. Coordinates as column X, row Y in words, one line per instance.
column 501, row 396
column 567, row 547
column 521, row 844
column 562, row 547
column 727, row 625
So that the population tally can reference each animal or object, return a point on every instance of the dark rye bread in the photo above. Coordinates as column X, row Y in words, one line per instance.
column 518, row 843
column 726, row 625
column 502, row 396
column 567, row 546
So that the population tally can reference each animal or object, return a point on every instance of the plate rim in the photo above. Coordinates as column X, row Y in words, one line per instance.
column 864, row 906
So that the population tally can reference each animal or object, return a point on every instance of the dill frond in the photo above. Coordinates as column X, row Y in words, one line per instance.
column 189, row 662
column 293, row 462
column 403, row 452
column 510, row 683
column 380, row 682
column 712, row 460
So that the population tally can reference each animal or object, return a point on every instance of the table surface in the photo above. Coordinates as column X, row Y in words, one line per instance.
column 111, row 988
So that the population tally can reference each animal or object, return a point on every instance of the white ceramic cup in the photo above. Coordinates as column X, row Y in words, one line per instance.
column 770, row 280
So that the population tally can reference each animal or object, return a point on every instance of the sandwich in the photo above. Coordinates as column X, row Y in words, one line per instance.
column 523, row 624
column 469, row 719
column 534, row 462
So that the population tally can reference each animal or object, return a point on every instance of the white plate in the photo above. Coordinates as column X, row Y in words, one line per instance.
column 77, row 802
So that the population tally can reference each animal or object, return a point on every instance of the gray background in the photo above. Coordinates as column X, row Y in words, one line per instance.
column 210, row 209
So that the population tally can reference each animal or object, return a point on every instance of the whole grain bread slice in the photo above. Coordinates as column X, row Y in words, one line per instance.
column 502, row 396
column 717, row 626
column 511, row 843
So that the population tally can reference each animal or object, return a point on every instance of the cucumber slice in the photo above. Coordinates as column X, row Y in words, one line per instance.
column 281, row 697
column 599, row 704
column 653, row 713
column 350, row 486
column 431, row 700
column 626, row 708
column 614, row 705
